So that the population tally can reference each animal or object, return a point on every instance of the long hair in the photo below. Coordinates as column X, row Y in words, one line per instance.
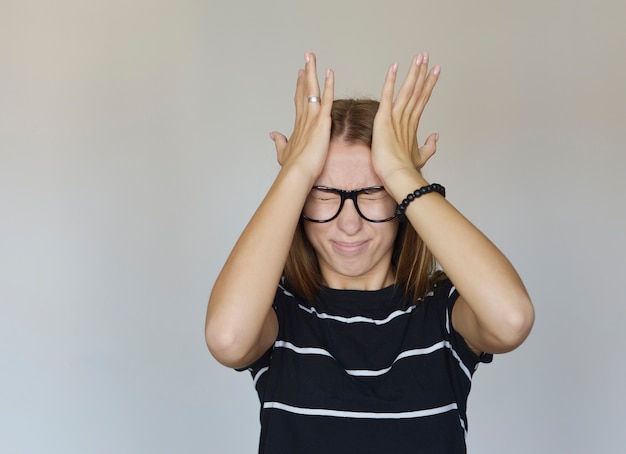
column 415, row 266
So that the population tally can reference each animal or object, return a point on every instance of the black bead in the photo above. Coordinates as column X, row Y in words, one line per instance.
column 435, row 187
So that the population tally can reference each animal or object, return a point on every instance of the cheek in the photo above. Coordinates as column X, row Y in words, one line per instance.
column 314, row 232
column 388, row 232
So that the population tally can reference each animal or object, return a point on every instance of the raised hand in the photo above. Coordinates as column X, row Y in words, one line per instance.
column 394, row 141
column 308, row 145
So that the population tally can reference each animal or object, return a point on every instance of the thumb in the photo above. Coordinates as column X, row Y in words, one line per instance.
column 280, row 142
column 429, row 148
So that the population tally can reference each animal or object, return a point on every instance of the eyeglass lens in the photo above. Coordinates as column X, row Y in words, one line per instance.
column 373, row 204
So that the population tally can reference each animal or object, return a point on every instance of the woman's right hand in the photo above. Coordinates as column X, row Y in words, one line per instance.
column 308, row 145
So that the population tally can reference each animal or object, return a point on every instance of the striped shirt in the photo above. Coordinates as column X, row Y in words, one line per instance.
column 364, row 372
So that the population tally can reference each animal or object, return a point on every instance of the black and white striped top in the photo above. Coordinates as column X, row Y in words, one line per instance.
column 362, row 372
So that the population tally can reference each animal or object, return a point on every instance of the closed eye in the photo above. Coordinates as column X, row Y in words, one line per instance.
column 324, row 195
column 374, row 194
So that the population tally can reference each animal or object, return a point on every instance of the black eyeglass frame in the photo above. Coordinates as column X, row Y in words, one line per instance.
column 352, row 195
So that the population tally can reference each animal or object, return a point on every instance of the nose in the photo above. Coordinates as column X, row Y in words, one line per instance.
column 349, row 219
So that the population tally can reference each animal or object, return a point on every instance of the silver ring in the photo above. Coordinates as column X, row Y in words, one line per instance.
column 314, row 99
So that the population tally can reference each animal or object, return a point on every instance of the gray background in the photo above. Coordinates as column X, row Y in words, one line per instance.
column 134, row 148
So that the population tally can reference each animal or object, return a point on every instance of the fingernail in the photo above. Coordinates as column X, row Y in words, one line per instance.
column 307, row 57
column 437, row 137
column 425, row 57
column 394, row 68
column 419, row 59
column 436, row 70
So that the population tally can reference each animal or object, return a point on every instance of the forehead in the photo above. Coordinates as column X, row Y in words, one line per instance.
column 348, row 166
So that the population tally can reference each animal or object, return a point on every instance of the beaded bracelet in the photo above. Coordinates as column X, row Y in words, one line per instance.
column 435, row 187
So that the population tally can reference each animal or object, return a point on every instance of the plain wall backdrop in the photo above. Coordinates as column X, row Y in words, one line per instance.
column 134, row 148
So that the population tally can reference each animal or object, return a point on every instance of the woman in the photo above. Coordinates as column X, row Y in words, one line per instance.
column 365, row 346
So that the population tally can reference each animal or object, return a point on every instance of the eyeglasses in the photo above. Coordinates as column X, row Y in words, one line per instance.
column 373, row 204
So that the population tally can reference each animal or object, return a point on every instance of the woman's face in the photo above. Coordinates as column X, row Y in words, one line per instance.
column 352, row 252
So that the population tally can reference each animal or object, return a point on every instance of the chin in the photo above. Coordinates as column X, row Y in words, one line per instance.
column 354, row 271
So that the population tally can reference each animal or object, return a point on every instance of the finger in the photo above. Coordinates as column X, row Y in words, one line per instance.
column 329, row 92
column 426, row 92
column 418, row 85
column 312, row 86
column 297, row 99
column 386, row 97
column 408, row 86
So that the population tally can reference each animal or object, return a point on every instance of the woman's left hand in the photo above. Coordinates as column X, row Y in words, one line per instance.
column 394, row 139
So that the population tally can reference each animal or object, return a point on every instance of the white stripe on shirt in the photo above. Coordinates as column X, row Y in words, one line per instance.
column 302, row 350
column 361, row 414
column 357, row 319
column 376, row 373
column 258, row 374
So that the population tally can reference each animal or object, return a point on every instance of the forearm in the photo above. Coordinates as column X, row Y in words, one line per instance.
column 242, row 296
column 483, row 276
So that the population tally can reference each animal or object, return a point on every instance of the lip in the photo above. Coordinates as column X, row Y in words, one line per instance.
column 349, row 248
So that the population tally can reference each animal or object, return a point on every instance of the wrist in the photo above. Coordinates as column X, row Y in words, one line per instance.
column 298, row 173
column 434, row 187
column 403, row 182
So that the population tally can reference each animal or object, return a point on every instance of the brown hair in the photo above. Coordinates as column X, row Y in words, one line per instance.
column 415, row 266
